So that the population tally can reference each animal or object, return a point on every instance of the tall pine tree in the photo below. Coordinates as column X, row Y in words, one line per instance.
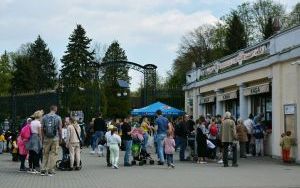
column 77, row 70
column 116, row 106
column 43, row 64
column 235, row 35
column 5, row 74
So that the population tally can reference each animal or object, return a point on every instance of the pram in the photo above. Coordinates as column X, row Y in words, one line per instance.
column 138, row 153
column 64, row 164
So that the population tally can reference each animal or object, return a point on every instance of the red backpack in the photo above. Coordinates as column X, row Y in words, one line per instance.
column 26, row 132
column 213, row 130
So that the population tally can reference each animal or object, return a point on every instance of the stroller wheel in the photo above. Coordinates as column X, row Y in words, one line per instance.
column 145, row 161
column 152, row 162
column 141, row 163
column 133, row 163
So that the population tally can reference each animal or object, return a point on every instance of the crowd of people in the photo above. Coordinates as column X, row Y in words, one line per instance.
column 208, row 139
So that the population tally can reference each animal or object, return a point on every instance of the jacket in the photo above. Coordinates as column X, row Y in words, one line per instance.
column 72, row 136
column 228, row 131
column 242, row 131
column 287, row 142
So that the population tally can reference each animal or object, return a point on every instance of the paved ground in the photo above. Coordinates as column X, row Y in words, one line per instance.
column 252, row 172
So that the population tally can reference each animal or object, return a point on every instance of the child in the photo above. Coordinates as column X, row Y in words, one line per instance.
column 286, row 144
column 22, row 153
column 2, row 140
column 114, row 141
column 169, row 145
column 14, row 150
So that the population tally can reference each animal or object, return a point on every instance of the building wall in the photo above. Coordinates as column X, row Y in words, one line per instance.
column 285, row 89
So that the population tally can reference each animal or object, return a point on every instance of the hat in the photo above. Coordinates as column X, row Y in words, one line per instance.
column 110, row 127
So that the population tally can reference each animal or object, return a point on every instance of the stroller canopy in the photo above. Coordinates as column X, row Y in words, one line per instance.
column 152, row 108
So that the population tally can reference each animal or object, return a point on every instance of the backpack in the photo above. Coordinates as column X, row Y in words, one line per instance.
column 258, row 132
column 26, row 132
column 50, row 126
column 213, row 131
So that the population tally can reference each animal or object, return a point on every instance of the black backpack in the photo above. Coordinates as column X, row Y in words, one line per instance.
column 50, row 126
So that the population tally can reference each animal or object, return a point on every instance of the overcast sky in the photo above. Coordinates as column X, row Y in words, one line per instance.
column 149, row 30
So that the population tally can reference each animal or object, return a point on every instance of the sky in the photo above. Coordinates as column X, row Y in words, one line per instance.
column 148, row 30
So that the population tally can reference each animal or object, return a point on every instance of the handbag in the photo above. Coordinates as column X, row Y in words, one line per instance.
column 80, row 142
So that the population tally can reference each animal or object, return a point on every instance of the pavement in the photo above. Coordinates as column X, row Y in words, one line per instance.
column 252, row 172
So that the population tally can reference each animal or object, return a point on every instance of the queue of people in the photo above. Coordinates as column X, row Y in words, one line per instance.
column 208, row 139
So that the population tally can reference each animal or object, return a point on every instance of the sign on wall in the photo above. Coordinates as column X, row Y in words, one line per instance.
column 289, row 109
column 207, row 99
column 253, row 90
column 227, row 96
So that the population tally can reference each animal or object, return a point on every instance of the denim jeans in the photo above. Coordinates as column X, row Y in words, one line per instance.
column 96, row 138
column 128, row 144
column 145, row 143
column 160, row 147
column 182, row 143
column 259, row 147
column 169, row 159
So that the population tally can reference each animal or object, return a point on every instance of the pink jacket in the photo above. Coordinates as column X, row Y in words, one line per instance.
column 21, row 146
column 169, row 144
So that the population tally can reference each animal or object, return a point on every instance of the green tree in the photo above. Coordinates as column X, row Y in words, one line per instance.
column 293, row 18
column 5, row 74
column 269, row 29
column 77, row 68
column 116, row 106
column 43, row 64
column 263, row 10
column 235, row 35
column 23, row 76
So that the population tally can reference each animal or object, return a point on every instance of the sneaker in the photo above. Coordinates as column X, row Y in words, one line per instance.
column 43, row 173
column 225, row 165
column 160, row 163
column 203, row 162
column 92, row 152
column 31, row 171
column 116, row 167
column 22, row 170
column 220, row 161
column 109, row 165
column 127, row 164
column 51, row 173
column 235, row 165
column 172, row 165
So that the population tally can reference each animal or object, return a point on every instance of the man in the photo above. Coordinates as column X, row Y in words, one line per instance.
column 83, row 131
column 181, row 132
column 161, row 127
column 127, row 140
column 259, row 133
column 99, row 129
column 51, row 137
column 228, row 136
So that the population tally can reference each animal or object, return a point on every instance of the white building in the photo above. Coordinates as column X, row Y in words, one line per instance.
column 259, row 79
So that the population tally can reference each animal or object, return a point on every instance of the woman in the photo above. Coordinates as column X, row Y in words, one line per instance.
column 64, row 138
column 73, row 143
column 35, row 144
column 201, row 138
column 145, row 126
column 242, row 131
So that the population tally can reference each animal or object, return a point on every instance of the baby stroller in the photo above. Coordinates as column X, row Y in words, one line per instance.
column 64, row 164
column 140, row 154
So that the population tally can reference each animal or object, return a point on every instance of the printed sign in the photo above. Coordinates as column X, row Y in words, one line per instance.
column 208, row 99
column 265, row 88
column 289, row 109
column 227, row 96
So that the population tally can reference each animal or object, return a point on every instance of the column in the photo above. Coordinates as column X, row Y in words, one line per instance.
column 243, row 103
column 195, row 102
column 200, row 107
column 219, row 104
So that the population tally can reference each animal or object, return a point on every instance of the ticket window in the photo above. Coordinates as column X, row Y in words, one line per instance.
column 233, row 107
column 210, row 108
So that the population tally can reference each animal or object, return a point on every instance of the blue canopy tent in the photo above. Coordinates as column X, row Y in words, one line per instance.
column 152, row 108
